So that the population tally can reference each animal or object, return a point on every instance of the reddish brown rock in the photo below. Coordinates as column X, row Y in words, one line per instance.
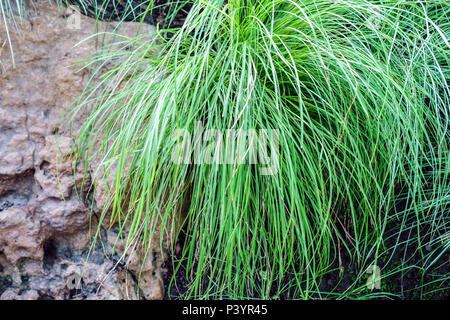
column 21, row 235
column 45, row 200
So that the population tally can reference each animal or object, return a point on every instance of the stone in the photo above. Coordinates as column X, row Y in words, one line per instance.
column 48, row 212
column 21, row 235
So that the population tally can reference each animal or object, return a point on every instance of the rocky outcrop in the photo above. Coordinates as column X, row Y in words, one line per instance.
column 45, row 221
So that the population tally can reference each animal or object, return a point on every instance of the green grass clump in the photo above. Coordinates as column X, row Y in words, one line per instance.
column 358, row 91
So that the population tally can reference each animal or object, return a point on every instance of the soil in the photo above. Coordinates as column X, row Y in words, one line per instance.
column 346, row 273
column 161, row 13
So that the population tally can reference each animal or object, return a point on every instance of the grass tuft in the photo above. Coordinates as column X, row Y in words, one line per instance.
column 358, row 91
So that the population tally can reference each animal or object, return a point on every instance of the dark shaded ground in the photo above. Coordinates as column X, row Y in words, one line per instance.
column 404, row 275
column 168, row 14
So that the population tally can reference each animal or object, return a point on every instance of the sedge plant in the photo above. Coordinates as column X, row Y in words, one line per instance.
column 358, row 91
